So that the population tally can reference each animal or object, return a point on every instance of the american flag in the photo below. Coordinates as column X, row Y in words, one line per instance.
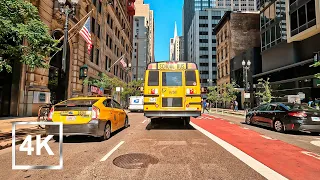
column 85, row 33
column 124, row 64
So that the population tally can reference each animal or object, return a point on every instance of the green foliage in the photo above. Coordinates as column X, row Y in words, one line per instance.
column 265, row 93
column 133, row 89
column 19, row 23
column 103, row 82
column 316, row 64
column 229, row 92
column 213, row 94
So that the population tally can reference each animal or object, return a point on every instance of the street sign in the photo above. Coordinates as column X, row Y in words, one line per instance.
column 118, row 89
column 247, row 95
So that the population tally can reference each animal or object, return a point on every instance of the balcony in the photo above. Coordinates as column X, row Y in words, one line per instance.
column 130, row 7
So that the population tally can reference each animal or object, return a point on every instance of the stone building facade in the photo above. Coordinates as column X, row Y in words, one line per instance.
column 111, row 31
column 235, row 33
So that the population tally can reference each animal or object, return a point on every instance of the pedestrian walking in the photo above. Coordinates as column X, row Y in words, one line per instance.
column 235, row 105
column 204, row 106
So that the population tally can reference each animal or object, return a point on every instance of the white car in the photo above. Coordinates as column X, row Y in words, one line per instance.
column 136, row 103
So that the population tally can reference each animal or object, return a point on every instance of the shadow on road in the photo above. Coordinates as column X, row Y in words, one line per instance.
column 301, row 133
column 21, row 133
column 168, row 124
column 87, row 139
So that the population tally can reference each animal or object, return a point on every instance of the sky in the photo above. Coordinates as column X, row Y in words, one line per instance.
column 166, row 12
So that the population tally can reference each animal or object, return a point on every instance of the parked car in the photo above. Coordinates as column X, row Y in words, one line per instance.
column 92, row 116
column 285, row 117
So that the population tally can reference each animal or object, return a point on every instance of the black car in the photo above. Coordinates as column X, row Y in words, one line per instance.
column 285, row 117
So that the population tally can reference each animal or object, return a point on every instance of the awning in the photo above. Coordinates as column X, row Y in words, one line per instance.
column 284, row 67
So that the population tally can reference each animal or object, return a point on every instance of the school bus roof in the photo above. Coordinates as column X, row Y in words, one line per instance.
column 172, row 65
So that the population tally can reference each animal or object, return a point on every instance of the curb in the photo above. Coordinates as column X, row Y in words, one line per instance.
column 18, row 142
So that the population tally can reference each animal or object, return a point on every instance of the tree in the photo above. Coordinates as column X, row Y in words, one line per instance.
column 316, row 64
column 265, row 92
column 214, row 95
column 229, row 92
column 132, row 89
column 103, row 82
column 20, row 22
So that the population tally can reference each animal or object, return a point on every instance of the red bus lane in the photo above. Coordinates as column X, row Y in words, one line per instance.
column 289, row 160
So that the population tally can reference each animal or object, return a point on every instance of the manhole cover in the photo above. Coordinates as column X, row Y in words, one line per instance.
column 134, row 161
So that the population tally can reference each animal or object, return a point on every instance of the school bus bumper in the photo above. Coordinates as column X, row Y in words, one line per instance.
column 171, row 114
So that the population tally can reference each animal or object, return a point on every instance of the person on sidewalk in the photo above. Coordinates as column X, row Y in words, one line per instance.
column 235, row 105
column 204, row 106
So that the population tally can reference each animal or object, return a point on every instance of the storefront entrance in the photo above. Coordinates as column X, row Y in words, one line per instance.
column 58, row 79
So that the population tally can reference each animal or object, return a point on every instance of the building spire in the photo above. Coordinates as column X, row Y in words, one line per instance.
column 175, row 30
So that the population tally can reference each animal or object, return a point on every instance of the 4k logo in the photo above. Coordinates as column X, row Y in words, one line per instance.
column 28, row 147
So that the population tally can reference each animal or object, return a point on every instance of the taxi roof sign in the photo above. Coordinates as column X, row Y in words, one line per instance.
column 172, row 65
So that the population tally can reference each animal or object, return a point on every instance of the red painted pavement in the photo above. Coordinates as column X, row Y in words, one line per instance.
column 282, row 157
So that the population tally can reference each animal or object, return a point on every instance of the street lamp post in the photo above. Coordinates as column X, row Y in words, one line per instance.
column 246, row 68
column 67, row 11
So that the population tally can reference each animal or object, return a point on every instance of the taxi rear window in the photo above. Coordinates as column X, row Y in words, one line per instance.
column 75, row 104
column 153, row 79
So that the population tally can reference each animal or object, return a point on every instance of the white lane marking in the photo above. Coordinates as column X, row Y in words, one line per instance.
column 266, row 137
column 254, row 164
column 314, row 155
column 316, row 143
column 231, row 122
column 245, row 128
column 144, row 121
column 112, row 151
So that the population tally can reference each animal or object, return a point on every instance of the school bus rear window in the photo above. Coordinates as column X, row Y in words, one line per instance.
column 191, row 78
column 153, row 78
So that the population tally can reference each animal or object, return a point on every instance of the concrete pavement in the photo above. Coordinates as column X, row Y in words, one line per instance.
column 180, row 153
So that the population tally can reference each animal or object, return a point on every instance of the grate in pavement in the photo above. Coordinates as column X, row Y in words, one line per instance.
column 135, row 161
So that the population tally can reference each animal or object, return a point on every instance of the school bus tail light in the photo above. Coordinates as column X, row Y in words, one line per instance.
column 154, row 91
column 157, row 105
column 190, row 91
column 187, row 105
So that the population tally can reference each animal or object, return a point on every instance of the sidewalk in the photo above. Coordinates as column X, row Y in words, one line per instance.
column 21, row 130
column 227, row 112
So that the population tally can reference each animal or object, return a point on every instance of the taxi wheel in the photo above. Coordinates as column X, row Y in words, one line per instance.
column 126, row 122
column 107, row 132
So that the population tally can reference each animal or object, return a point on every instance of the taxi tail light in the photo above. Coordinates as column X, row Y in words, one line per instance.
column 297, row 114
column 95, row 113
column 51, row 113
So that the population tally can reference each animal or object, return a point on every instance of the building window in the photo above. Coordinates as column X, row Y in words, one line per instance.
column 93, row 23
column 204, row 56
column 204, row 64
column 303, row 18
column 203, row 25
column 98, row 30
column 203, row 40
column 92, row 53
column 97, row 57
column 107, row 63
column 203, row 33
column 203, row 48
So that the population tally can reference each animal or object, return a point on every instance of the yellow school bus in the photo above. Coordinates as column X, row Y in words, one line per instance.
column 172, row 89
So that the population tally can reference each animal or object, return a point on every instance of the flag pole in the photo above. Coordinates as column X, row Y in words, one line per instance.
column 115, row 62
column 78, row 23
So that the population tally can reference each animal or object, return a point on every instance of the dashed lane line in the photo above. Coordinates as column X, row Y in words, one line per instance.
column 112, row 151
column 316, row 143
column 267, row 137
column 251, row 162
column 314, row 155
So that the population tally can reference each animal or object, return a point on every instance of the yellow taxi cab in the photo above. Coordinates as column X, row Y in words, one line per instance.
column 92, row 116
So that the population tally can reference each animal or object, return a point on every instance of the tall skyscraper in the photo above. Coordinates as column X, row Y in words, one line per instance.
column 202, row 43
column 144, row 10
column 176, row 46
column 189, row 8
column 237, row 5
column 143, row 39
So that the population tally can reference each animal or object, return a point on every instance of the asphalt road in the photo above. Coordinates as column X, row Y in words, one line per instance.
column 164, row 151
column 301, row 139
